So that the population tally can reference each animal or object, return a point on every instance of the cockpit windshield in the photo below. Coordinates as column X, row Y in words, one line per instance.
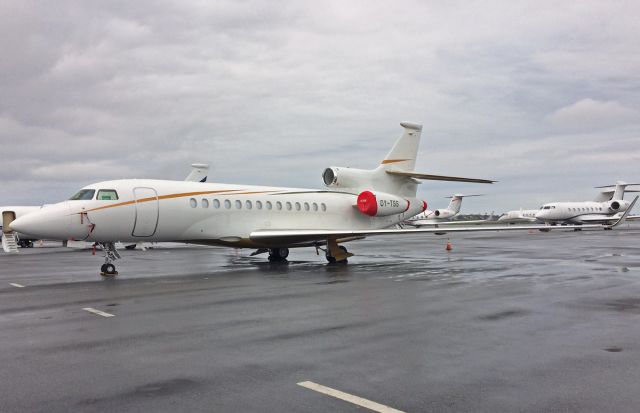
column 83, row 195
column 107, row 195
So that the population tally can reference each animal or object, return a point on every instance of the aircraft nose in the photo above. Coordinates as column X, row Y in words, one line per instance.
column 48, row 223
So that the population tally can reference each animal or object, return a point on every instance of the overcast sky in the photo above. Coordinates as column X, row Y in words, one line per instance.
column 541, row 96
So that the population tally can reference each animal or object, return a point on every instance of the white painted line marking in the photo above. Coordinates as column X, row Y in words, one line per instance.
column 98, row 312
column 376, row 407
column 16, row 285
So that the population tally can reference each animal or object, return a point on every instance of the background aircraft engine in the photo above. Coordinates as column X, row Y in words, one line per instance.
column 614, row 206
column 381, row 204
column 442, row 213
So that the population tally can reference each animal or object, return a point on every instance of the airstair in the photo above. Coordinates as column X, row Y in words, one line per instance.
column 9, row 242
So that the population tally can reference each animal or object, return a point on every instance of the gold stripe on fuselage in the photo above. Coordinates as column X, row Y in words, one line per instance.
column 178, row 195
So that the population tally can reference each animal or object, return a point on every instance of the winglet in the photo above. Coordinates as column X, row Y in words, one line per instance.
column 626, row 213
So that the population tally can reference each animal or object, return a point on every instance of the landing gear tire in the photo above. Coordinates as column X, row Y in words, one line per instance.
column 332, row 260
column 108, row 270
column 278, row 254
column 110, row 254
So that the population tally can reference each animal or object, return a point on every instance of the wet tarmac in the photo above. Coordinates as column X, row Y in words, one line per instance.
column 526, row 322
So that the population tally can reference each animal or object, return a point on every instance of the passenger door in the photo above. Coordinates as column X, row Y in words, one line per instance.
column 147, row 212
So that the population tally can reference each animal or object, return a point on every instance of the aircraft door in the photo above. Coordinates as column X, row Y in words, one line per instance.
column 147, row 212
column 7, row 218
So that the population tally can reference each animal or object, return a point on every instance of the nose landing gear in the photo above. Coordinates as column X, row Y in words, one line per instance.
column 110, row 254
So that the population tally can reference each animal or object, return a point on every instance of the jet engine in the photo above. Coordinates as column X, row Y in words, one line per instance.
column 618, row 206
column 380, row 204
column 614, row 205
column 339, row 177
column 442, row 213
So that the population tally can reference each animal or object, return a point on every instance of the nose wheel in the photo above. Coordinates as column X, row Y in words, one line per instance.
column 110, row 254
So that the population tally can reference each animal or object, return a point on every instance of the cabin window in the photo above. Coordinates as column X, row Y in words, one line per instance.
column 306, row 206
column 259, row 204
column 238, row 204
column 297, row 206
column 315, row 206
column 107, row 195
column 83, row 195
column 227, row 204
column 323, row 207
column 216, row 203
column 193, row 202
column 248, row 204
column 278, row 205
column 204, row 203
column 288, row 206
column 268, row 205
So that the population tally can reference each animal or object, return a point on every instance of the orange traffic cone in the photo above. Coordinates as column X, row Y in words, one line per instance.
column 449, row 245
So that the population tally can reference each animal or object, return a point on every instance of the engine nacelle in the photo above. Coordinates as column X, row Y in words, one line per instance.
column 380, row 204
column 339, row 177
column 619, row 205
column 442, row 213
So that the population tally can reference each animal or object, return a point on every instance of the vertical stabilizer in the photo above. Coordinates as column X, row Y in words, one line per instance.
column 455, row 204
column 402, row 156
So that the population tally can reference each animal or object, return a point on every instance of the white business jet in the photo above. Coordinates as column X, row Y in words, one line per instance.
column 11, row 240
column 608, row 207
column 440, row 216
column 356, row 203
column 519, row 216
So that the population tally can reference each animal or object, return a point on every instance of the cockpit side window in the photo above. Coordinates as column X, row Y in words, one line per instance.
column 83, row 195
column 107, row 195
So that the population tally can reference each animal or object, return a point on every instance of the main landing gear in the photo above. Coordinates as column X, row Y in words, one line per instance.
column 278, row 254
column 336, row 253
column 25, row 243
column 110, row 254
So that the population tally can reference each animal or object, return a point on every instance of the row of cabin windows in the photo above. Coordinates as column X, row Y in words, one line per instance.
column 586, row 209
column 289, row 206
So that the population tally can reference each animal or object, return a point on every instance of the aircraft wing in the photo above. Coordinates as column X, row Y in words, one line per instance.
column 424, row 222
column 305, row 235
column 295, row 236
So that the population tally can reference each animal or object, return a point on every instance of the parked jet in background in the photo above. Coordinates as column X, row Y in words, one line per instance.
column 439, row 215
column 356, row 203
column 519, row 216
column 607, row 207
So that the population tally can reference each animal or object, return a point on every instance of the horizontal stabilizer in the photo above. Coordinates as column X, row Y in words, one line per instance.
column 429, row 177
column 614, row 185
column 462, row 196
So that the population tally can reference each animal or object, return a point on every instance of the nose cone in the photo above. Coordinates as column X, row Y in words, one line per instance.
column 47, row 223
column 541, row 215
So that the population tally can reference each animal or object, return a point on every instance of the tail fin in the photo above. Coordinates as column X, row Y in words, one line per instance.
column 402, row 156
column 456, row 202
column 616, row 194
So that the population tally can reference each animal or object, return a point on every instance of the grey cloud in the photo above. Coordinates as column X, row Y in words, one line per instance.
column 272, row 94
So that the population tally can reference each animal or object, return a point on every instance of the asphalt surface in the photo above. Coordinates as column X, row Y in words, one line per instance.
column 528, row 322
